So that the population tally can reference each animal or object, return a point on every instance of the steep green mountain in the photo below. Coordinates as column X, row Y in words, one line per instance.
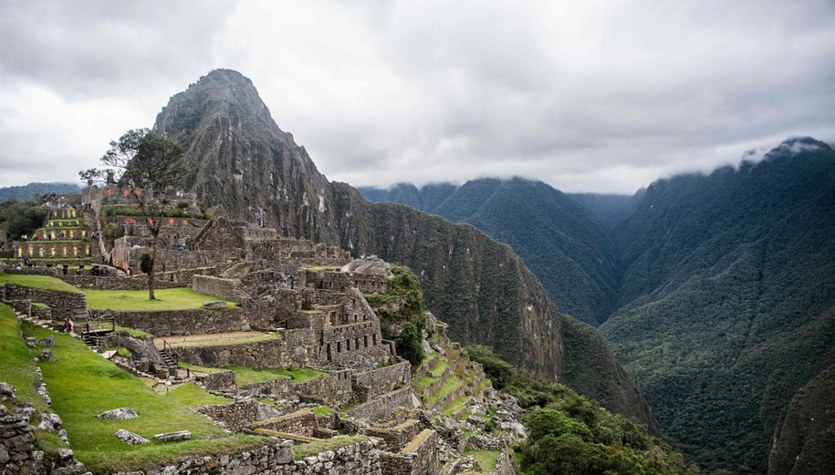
column 727, row 297
column 723, row 286
column 28, row 192
column 560, row 242
column 240, row 159
column 805, row 436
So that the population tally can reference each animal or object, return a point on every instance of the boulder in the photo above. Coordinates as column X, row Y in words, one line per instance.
column 119, row 414
column 46, row 355
column 216, row 305
column 174, row 436
column 131, row 438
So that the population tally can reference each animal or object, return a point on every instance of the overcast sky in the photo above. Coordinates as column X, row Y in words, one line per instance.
column 586, row 96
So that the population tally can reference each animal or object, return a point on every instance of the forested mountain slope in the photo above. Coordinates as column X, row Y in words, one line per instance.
column 561, row 243
column 238, row 158
column 723, row 286
column 727, row 296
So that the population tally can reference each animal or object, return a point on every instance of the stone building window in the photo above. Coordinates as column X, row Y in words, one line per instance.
column 339, row 347
column 374, row 340
column 365, row 340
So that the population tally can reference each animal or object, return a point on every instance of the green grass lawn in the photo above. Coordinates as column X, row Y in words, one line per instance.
column 137, row 300
column 38, row 282
column 486, row 458
column 192, row 395
column 244, row 375
column 16, row 366
column 82, row 384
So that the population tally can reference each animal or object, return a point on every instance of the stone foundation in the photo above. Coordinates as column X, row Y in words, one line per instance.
column 63, row 304
column 186, row 322
column 277, row 458
column 420, row 457
column 382, row 407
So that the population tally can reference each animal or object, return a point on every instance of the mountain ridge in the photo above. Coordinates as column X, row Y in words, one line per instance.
column 238, row 158
column 723, row 278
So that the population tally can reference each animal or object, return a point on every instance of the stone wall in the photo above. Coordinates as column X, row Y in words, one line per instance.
column 420, row 457
column 63, row 304
column 374, row 383
column 353, row 345
column 115, row 283
column 334, row 389
column 275, row 353
column 235, row 416
column 505, row 465
column 228, row 289
column 185, row 322
column 220, row 381
column 301, row 422
column 17, row 443
column 382, row 407
column 281, row 388
column 355, row 459
column 396, row 437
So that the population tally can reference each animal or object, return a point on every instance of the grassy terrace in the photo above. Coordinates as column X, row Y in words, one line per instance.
column 486, row 458
column 82, row 384
column 244, row 375
column 451, row 384
column 192, row 395
column 137, row 300
column 38, row 282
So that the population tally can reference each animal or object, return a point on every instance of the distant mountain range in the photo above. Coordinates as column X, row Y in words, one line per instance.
column 716, row 291
column 28, row 192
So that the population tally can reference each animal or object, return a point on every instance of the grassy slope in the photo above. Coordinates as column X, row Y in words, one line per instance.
column 82, row 385
column 38, row 282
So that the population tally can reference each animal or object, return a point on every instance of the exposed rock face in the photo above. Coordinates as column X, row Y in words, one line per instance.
column 239, row 158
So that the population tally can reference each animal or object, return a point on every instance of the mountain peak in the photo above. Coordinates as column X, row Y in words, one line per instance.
column 795, row 145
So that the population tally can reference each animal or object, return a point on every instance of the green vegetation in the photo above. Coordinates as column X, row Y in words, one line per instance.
column 192, row 395
column 451, row 384
column 83, row 384
column 570, row 434
column 322, row 411
column 402, row 306
column 16, row 367
column 137, row 300
column 21, row 217
column 487, row 459
column 245, row 375
column 38, row 282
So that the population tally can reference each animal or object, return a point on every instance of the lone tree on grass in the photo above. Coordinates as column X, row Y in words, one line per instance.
column 151, row 168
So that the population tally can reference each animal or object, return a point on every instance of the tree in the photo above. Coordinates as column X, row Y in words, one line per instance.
column 151, row 168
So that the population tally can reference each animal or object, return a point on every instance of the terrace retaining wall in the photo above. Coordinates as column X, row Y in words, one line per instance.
column 277, row 458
